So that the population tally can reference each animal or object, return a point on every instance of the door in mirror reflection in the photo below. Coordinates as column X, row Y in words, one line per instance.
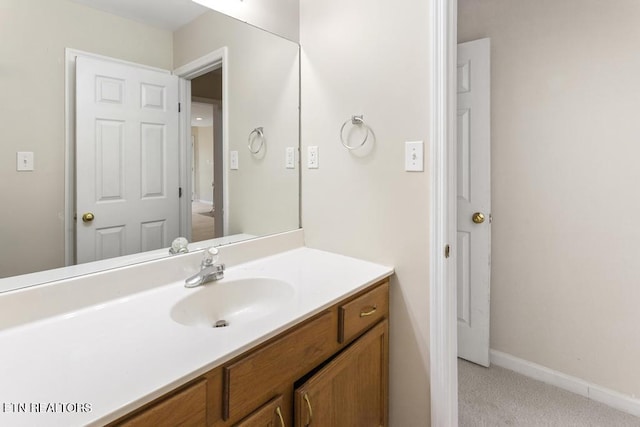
column 127, row 159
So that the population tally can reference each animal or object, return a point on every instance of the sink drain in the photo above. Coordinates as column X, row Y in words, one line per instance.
column 221, row 324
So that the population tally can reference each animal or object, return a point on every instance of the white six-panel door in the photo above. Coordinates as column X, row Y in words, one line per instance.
column 127, row 159
column 474, row 201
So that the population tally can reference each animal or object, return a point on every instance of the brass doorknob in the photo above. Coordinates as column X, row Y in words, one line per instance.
column 88, row 217
column 478, row 217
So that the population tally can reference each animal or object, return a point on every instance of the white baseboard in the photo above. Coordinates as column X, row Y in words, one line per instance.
column 594, row 392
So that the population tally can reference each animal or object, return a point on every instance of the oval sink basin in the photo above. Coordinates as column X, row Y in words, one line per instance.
column 230, row 302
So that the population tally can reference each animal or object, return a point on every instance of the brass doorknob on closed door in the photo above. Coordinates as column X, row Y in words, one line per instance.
column 478, row 217
column 88, row 217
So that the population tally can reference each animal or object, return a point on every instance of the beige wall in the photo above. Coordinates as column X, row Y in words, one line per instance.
column 565, row 260
column 34, row 34
column 277, row 16
column 263, row 91
column 372, row 58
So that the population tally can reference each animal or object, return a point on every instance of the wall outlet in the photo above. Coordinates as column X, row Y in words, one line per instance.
column 290, row 158
column 24, row 161
column 312, row 157
column 233, row 160
column 414, row 156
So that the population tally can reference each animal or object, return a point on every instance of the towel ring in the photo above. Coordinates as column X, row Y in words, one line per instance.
column 260, row 135
column 355, row 120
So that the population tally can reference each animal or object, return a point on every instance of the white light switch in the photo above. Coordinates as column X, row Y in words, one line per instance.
column 233, row 161
column 24, row 161
column 414, row 156
column 290, row 158
column 312, row 157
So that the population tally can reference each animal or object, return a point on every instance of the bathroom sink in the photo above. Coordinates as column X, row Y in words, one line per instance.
column 228, row 302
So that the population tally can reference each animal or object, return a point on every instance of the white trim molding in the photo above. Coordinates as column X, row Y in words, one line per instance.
column 443, row 307
column 209, row 62
column 575, row 385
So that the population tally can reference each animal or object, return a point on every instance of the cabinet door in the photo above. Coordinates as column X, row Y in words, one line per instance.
column 352, row 389
column 269, row 415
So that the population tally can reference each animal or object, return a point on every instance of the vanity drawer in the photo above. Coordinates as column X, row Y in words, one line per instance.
column 254, row 379
column 185, row 408
column 363, row 312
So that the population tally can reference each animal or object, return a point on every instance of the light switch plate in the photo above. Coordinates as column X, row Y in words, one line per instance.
column 290, row 158
column 233, row 160
column 414, row 156
column 312, row 157
column 24, row 161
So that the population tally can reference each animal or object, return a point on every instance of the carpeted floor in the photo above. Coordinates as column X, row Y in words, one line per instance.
column 491, row 397
column 202, row 222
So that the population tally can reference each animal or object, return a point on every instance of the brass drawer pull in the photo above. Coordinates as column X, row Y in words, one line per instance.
column 279, row 412
column 370, row 312
column 306, row 398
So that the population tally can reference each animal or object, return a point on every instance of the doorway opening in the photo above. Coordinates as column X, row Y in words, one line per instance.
column 206, row 159
column 203, row 94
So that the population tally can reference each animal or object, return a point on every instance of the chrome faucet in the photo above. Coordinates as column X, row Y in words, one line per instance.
column 209, row 270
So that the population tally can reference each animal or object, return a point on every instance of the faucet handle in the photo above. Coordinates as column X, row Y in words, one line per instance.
column 179, row 246
column 210, row 256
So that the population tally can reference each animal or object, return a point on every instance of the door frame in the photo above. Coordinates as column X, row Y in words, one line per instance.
column 70, row 56
column 442, row 286
column 209, row 62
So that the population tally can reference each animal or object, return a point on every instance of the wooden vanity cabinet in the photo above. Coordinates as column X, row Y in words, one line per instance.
column 254, row 378
column 362, row 312
column 351, row 390
column 330, row 370
column 186, row 407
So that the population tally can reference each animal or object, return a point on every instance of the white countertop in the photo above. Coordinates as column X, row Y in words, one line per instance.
column 123, row 353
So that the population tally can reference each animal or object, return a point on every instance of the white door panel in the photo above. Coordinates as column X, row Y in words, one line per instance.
column 127, row 159
column 474, row 196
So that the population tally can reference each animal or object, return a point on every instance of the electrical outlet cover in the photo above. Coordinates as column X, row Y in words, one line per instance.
column 312, row 157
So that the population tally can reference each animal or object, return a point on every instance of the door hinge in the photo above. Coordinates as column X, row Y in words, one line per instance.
column 447, row 251
column 179, row 192
column 179, row 107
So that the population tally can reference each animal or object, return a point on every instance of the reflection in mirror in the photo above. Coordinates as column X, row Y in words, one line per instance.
column 277, row 16
column 258, row 86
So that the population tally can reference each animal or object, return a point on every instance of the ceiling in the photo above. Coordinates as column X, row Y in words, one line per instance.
column 165, row 14
column 201, row 114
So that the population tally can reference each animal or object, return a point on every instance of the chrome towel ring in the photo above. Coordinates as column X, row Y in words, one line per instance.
column 356, row 121
column 259, row 136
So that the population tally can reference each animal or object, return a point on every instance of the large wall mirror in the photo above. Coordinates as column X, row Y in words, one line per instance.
column 235, row 148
